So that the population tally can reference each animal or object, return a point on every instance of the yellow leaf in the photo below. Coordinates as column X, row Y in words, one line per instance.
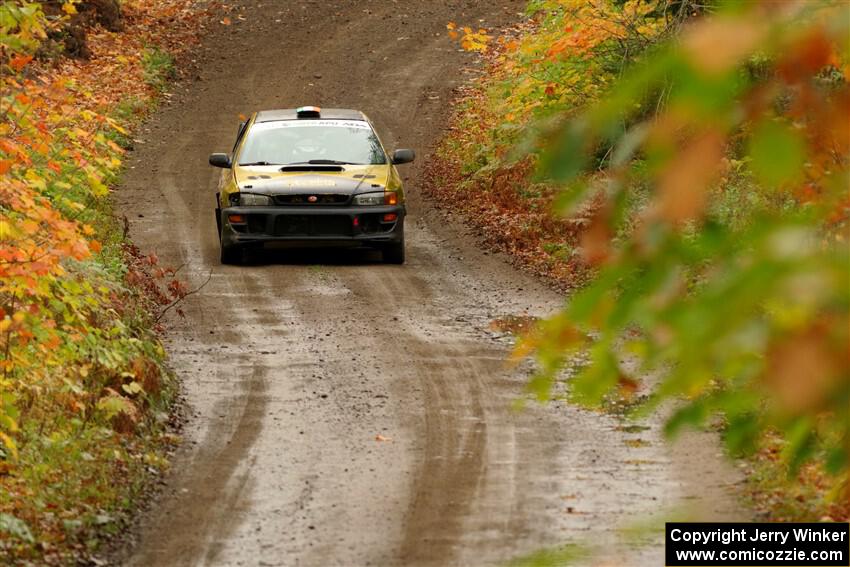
column 97, row 187
column 7, row 230
column 9, row 444
column 35, row 179
column 69, row 8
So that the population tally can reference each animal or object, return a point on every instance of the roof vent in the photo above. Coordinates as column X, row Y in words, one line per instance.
column 308, row 112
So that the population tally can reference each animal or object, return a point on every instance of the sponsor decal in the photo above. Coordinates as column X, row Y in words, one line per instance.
column 311, row 183
column 357, row 124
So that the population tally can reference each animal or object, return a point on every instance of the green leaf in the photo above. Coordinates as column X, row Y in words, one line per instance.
column 777, row 153
column 568, row 154
column 800, row 437
column 541, row 386
column 597, row 379
column 693, row 414
column 132, row 388
column 742, row 433
column 113, row 405
column 16, row 528
column 837, row 460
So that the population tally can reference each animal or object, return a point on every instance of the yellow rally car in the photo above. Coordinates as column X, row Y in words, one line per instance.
column 309, row 176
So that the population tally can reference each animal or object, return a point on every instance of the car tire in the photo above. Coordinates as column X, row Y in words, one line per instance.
column 231, row 255
column 393, row 253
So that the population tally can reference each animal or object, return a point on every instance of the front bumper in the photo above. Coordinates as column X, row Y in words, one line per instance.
column 311, row 226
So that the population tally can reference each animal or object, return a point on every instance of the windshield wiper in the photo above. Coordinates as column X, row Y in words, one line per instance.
column 259, row 163
column 324, row 162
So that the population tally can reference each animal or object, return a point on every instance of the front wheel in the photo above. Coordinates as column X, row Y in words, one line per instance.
column 393, row 252
column 231, row 255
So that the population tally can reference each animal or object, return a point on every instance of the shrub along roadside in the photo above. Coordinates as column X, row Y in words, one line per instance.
column 84, row 393
column 711, row 190
column 562, row 58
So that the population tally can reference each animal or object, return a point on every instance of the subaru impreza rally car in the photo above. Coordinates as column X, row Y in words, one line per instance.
column 306, row 177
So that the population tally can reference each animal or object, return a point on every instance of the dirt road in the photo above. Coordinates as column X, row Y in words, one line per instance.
column 345, row 412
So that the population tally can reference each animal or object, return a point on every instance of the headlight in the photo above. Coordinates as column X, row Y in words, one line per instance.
column 382, row 198
column 250, row 200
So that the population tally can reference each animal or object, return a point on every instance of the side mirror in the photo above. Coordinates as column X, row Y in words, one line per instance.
column 403, row 156
column 220, row 160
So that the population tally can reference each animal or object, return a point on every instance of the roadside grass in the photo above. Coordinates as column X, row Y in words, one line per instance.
column 552, row 557
column 130, row 111
column 158, row 68
column 808, row 495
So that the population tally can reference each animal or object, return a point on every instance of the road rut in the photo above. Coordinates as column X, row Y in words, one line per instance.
column 345, row 412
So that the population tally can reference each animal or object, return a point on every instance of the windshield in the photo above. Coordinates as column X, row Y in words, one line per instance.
column 289, row 142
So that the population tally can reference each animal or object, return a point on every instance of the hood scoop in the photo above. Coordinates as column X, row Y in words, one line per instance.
column 312, row 167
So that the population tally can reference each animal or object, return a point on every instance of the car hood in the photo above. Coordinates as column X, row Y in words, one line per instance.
column 352, row 179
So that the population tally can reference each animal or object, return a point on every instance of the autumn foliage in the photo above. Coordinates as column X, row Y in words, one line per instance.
column 703, row 151
column 83, row 389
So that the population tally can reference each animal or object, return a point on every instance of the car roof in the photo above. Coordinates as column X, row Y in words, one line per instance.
column 292, row 114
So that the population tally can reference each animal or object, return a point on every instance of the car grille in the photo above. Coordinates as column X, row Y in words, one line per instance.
column 304, row 199
column 257, row 223
column 312, row 225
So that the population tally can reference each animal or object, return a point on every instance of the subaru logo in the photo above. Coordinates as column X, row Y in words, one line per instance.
column 312, row 199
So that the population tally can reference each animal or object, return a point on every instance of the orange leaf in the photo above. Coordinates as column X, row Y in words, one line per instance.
column 719, row 43
column 18, row 62
column 225, row 21
column 803, row 370
column 596, row 239
column 683, row 185
column 29, row 227
column 95, row 246
column 5, row 166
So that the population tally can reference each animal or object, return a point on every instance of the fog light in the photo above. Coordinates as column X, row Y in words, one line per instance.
column 236, row 219
column 356, row 222
column 390, row 217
